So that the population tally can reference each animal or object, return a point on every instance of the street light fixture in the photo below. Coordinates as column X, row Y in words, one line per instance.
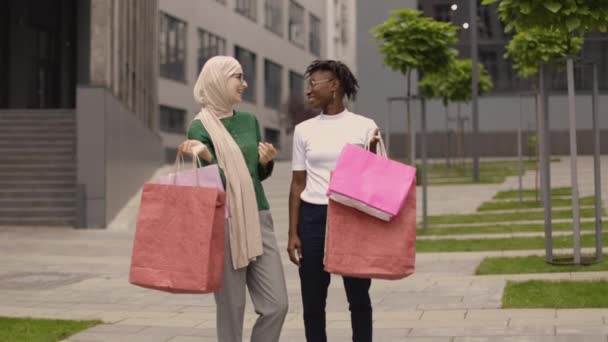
column 454, row 7
column 465, row 26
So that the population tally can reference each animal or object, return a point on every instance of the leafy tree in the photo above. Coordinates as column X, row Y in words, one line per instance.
column 453, row 83
column 410, row 41
column 531, row 48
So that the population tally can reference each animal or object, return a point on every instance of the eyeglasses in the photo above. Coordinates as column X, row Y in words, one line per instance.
column 312, row 84
column 239, row 76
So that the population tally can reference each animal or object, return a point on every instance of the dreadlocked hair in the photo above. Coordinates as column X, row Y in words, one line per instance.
column 349, row 83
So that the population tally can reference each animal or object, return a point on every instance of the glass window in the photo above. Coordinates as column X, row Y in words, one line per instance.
column 273, row 10
column 296, row 23
column 172, row 120
column 296, row 85
column 172, row 46
column 272, row 85
column 248, row 62
column 273, row 136
column 209, row 45
column 315, row 36
column 247, row 8
column 443, row 12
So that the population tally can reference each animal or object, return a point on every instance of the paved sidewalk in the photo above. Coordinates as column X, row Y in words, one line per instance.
column 82, row 274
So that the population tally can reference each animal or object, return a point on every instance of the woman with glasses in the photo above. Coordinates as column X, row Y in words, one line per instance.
column 219, row 134
column 317, row 144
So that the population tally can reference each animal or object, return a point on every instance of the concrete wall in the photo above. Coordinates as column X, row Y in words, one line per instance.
column 221, row 19
column 342, row 35
column 499, row 119
column 498, row 115
column 123, row 53
column 377, row 82
column 116, row 153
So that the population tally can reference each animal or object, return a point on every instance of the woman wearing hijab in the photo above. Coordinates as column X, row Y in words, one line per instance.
column 317, row 144
column 219, row 134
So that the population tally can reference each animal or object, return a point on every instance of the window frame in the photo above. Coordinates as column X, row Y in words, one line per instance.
column 314, row 45
column 301, row 13
column 273, row 16
column 205, row 36
column 271, row 101
column 292, row 76
column 162, row 109
column 179, row 50
column 277, row 143
column 250, row 12
column 250, row 94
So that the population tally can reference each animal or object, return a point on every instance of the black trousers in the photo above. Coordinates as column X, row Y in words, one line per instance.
column 314, row 281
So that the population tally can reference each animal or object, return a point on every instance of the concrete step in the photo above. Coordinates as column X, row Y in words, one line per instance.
column 60, row 149
column 33, row 114
column 33, row 185
column 21, row 136
column 37, row 143
column 37, row 176
column 35, row 120
column 38, row 221
column 38, row 152
column 23, row 203
column 39, row 167
column 39, row 193
column 42, row 167
column 42, row 127
column 37, row 157
column 54, row 212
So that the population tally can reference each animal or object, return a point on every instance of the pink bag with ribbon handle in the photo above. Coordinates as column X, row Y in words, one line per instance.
column 179, row 239
column 207, row 176
column 371, row 183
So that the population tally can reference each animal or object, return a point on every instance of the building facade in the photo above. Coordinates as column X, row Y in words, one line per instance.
column 78, row 106
column 499, row 111
column 274, row 40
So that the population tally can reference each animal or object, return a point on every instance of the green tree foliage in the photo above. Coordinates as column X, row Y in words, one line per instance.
column 454, row 82
column 410, row 41
column 531, row 48
column 567, row 16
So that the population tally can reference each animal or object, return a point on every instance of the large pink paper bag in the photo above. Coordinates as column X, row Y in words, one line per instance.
column 179, row 241
column 208, row 176
column 360, row 245
column 370, row 182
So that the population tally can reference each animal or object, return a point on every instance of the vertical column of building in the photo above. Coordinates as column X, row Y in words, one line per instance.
column 152, row 85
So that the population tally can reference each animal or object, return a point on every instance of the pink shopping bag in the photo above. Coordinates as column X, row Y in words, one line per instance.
column 179, row 241
column 371, row 183
column 208, row 176
column 360, row 245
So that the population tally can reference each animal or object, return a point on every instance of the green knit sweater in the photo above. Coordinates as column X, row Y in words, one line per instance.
column 245, row 130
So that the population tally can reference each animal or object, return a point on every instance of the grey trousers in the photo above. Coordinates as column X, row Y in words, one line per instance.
column 266, row 283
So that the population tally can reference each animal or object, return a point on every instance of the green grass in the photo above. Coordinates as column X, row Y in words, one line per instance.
column 511, row 194
column 40, row 330
column 500, row 229
column 490, row 172
column 530, row 204
column 532, row 264
column 505, row 217
column 501, row 244
column 556, row 294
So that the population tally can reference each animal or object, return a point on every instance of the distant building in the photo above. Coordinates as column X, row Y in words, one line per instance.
column 273, row 39
column 78, row 108
column 499, row 111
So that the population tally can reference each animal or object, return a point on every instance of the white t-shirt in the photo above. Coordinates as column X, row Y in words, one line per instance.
column 317, row 144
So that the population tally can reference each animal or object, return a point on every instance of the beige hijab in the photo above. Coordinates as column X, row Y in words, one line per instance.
column 244, row 225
